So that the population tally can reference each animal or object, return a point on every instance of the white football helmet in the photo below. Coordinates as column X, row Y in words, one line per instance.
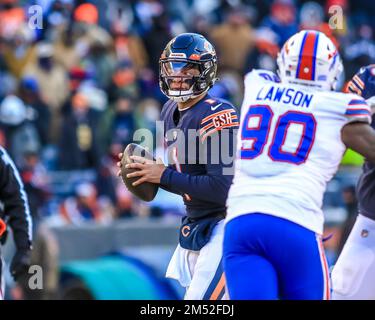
column 310, row 58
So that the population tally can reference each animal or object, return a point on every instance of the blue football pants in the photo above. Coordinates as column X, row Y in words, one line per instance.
column 266, row 257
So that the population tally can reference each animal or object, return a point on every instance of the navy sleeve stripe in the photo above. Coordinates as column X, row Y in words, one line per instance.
column 211, row 116
column 229, row 125
column 358, row 82
column 352, row 87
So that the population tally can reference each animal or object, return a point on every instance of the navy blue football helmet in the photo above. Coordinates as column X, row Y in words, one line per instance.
column 187, row 67
column 363, row 83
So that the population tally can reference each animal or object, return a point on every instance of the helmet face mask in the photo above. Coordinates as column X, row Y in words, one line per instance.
column 187, row 67
column 179, row 78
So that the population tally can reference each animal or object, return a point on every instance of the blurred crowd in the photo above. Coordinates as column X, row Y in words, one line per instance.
column 81, row 77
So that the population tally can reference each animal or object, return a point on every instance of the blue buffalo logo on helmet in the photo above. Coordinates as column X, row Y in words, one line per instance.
column 187, row 67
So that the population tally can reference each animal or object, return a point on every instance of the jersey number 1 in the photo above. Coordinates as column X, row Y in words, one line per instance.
column 260, row 134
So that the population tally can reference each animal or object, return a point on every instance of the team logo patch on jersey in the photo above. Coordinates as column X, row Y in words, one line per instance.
column 222, row 120
column 218, row 121
column 185, row 231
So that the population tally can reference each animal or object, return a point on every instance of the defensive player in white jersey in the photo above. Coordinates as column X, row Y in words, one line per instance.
column 292, row 136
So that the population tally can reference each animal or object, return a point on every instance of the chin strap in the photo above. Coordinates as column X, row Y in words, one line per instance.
column 180, row 99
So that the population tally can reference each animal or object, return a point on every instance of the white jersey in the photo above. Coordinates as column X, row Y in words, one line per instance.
column 289, row 146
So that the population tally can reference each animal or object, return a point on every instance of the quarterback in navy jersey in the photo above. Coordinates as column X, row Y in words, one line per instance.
column 353, row 276
column 194, row 174
column 199, row 137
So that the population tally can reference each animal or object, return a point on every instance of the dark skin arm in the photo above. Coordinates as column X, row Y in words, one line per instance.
column 360, row 137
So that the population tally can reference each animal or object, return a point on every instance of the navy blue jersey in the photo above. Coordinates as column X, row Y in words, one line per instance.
column 200, row 143
column 366, row 187
column 363, row 84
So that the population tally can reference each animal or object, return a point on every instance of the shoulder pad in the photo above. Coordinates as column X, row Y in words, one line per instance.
column 262, row 75
column 357, row 109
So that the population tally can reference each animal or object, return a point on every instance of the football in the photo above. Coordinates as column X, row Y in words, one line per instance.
column 145, row 191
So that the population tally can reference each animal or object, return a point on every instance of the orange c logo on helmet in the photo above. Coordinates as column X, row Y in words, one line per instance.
column 185, row 231
column 195, row 56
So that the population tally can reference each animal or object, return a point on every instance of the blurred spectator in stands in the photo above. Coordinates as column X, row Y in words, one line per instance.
column 265, row 52
column 361, row 52
column 12, row 17
column 77, row 75
column 8, row 85
column 144, row 12
column 118, row 123
column 124, row 81
column 130, row 48
column 36, row 181
column 86, row 29
column 111, row 186
column 125, row 203
column 182, row 14
column 85, row 206
column 78, row 147
column 29, row 93
column 128, row 45
column 52, row 80
column 155, row 40
column 149, row 86
column 311, row 17
column 234, row 39
column 97, row 98
column 123, row 125
column 19, row 51
column 102, row 61
column 57, row 18
column 351, row 206
column 65, row 49
column 146, row 115
column 282, row 20
column 17, row 126
column 201, row 24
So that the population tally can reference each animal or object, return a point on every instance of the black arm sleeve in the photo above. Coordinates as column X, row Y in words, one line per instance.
column 16, row 206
